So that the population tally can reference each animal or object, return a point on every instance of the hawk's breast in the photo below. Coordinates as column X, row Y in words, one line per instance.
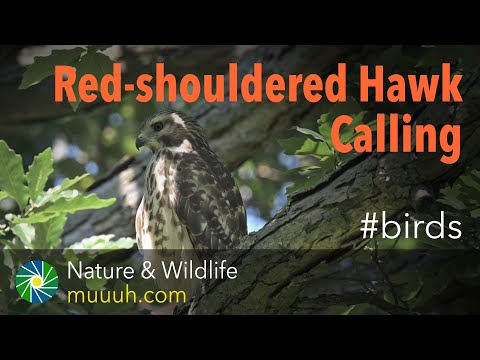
column 162, row 229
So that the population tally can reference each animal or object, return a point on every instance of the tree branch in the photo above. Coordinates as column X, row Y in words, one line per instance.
column 324, row 221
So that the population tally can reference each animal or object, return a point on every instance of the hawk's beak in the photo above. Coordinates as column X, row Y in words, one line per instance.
column 139, row 143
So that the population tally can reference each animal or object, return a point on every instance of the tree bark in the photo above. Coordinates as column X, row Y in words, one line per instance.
column 236, row 131
column 324, row 222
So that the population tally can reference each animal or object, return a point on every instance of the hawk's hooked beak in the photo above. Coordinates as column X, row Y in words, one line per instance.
column 139, row 143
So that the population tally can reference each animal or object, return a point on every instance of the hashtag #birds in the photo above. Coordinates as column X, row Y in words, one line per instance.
column 191, row 203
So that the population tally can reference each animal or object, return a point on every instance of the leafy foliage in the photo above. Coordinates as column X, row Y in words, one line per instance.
column 318, row 144
column 464, row 195
column 43, row 213
column 37, row 229
column 38, row 173
column 85, row 60
column 44, row 66
column 405, row 275
column 12, row 178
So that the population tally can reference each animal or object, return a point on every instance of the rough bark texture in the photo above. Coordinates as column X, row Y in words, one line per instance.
column 236, row 131
column 325, row 221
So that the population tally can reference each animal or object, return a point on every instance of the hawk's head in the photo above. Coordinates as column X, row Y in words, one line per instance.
column 170, row 129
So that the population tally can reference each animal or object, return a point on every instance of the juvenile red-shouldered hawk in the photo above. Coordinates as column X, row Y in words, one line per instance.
column 191, row 202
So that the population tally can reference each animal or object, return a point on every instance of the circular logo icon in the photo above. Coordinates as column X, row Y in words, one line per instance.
column 37, row 281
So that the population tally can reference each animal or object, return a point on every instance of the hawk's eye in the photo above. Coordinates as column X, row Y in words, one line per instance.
column 157, row 126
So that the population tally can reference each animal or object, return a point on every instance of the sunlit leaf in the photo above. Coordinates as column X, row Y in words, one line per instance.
column 68, row 183
column 52, row 196
column 78, row 203
column 12, row 175
column 326, row 130
column 38, row 173
column 25, row 232
column 34, row 218
column 305, row 146
column 309, row 132
column 65, row 206
column 58, row 192
column 48, row 234
column 103, row 242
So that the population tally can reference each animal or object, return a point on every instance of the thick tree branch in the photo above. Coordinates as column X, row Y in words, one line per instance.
column 324, row 221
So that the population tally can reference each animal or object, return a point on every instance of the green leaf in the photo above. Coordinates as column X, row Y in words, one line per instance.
column 103, row 242
column 68, row 183
column 122, row 243
column 98, row 47
column 3, row 195
column 323, row 150
column 309, row 132
column 58, row 192
column 64, row 205
column 25, row 232
column 48, row 234
column 365, row 309
column 306, row 184
column 38, row 173
column 338, row 309
column 291, row 145
column 12, row 176
column 94, row 63
column 475, row 213
column 305, row 146
column 326, row 130
column 52, row 196
column 350, row 107
column 348, row 133
column 78, row 203
column 96, row 283
column 44, row 66
column 34, row 218
column 7, row 256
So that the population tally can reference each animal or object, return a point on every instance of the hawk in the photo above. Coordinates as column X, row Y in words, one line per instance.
column 191, row 203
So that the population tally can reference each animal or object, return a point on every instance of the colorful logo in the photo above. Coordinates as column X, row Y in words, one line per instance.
column 37, row 281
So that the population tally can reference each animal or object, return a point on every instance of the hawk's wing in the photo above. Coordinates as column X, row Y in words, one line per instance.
column 208, row 202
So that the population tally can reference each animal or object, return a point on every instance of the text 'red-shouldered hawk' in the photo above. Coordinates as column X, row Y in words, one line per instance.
column 191, row 202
